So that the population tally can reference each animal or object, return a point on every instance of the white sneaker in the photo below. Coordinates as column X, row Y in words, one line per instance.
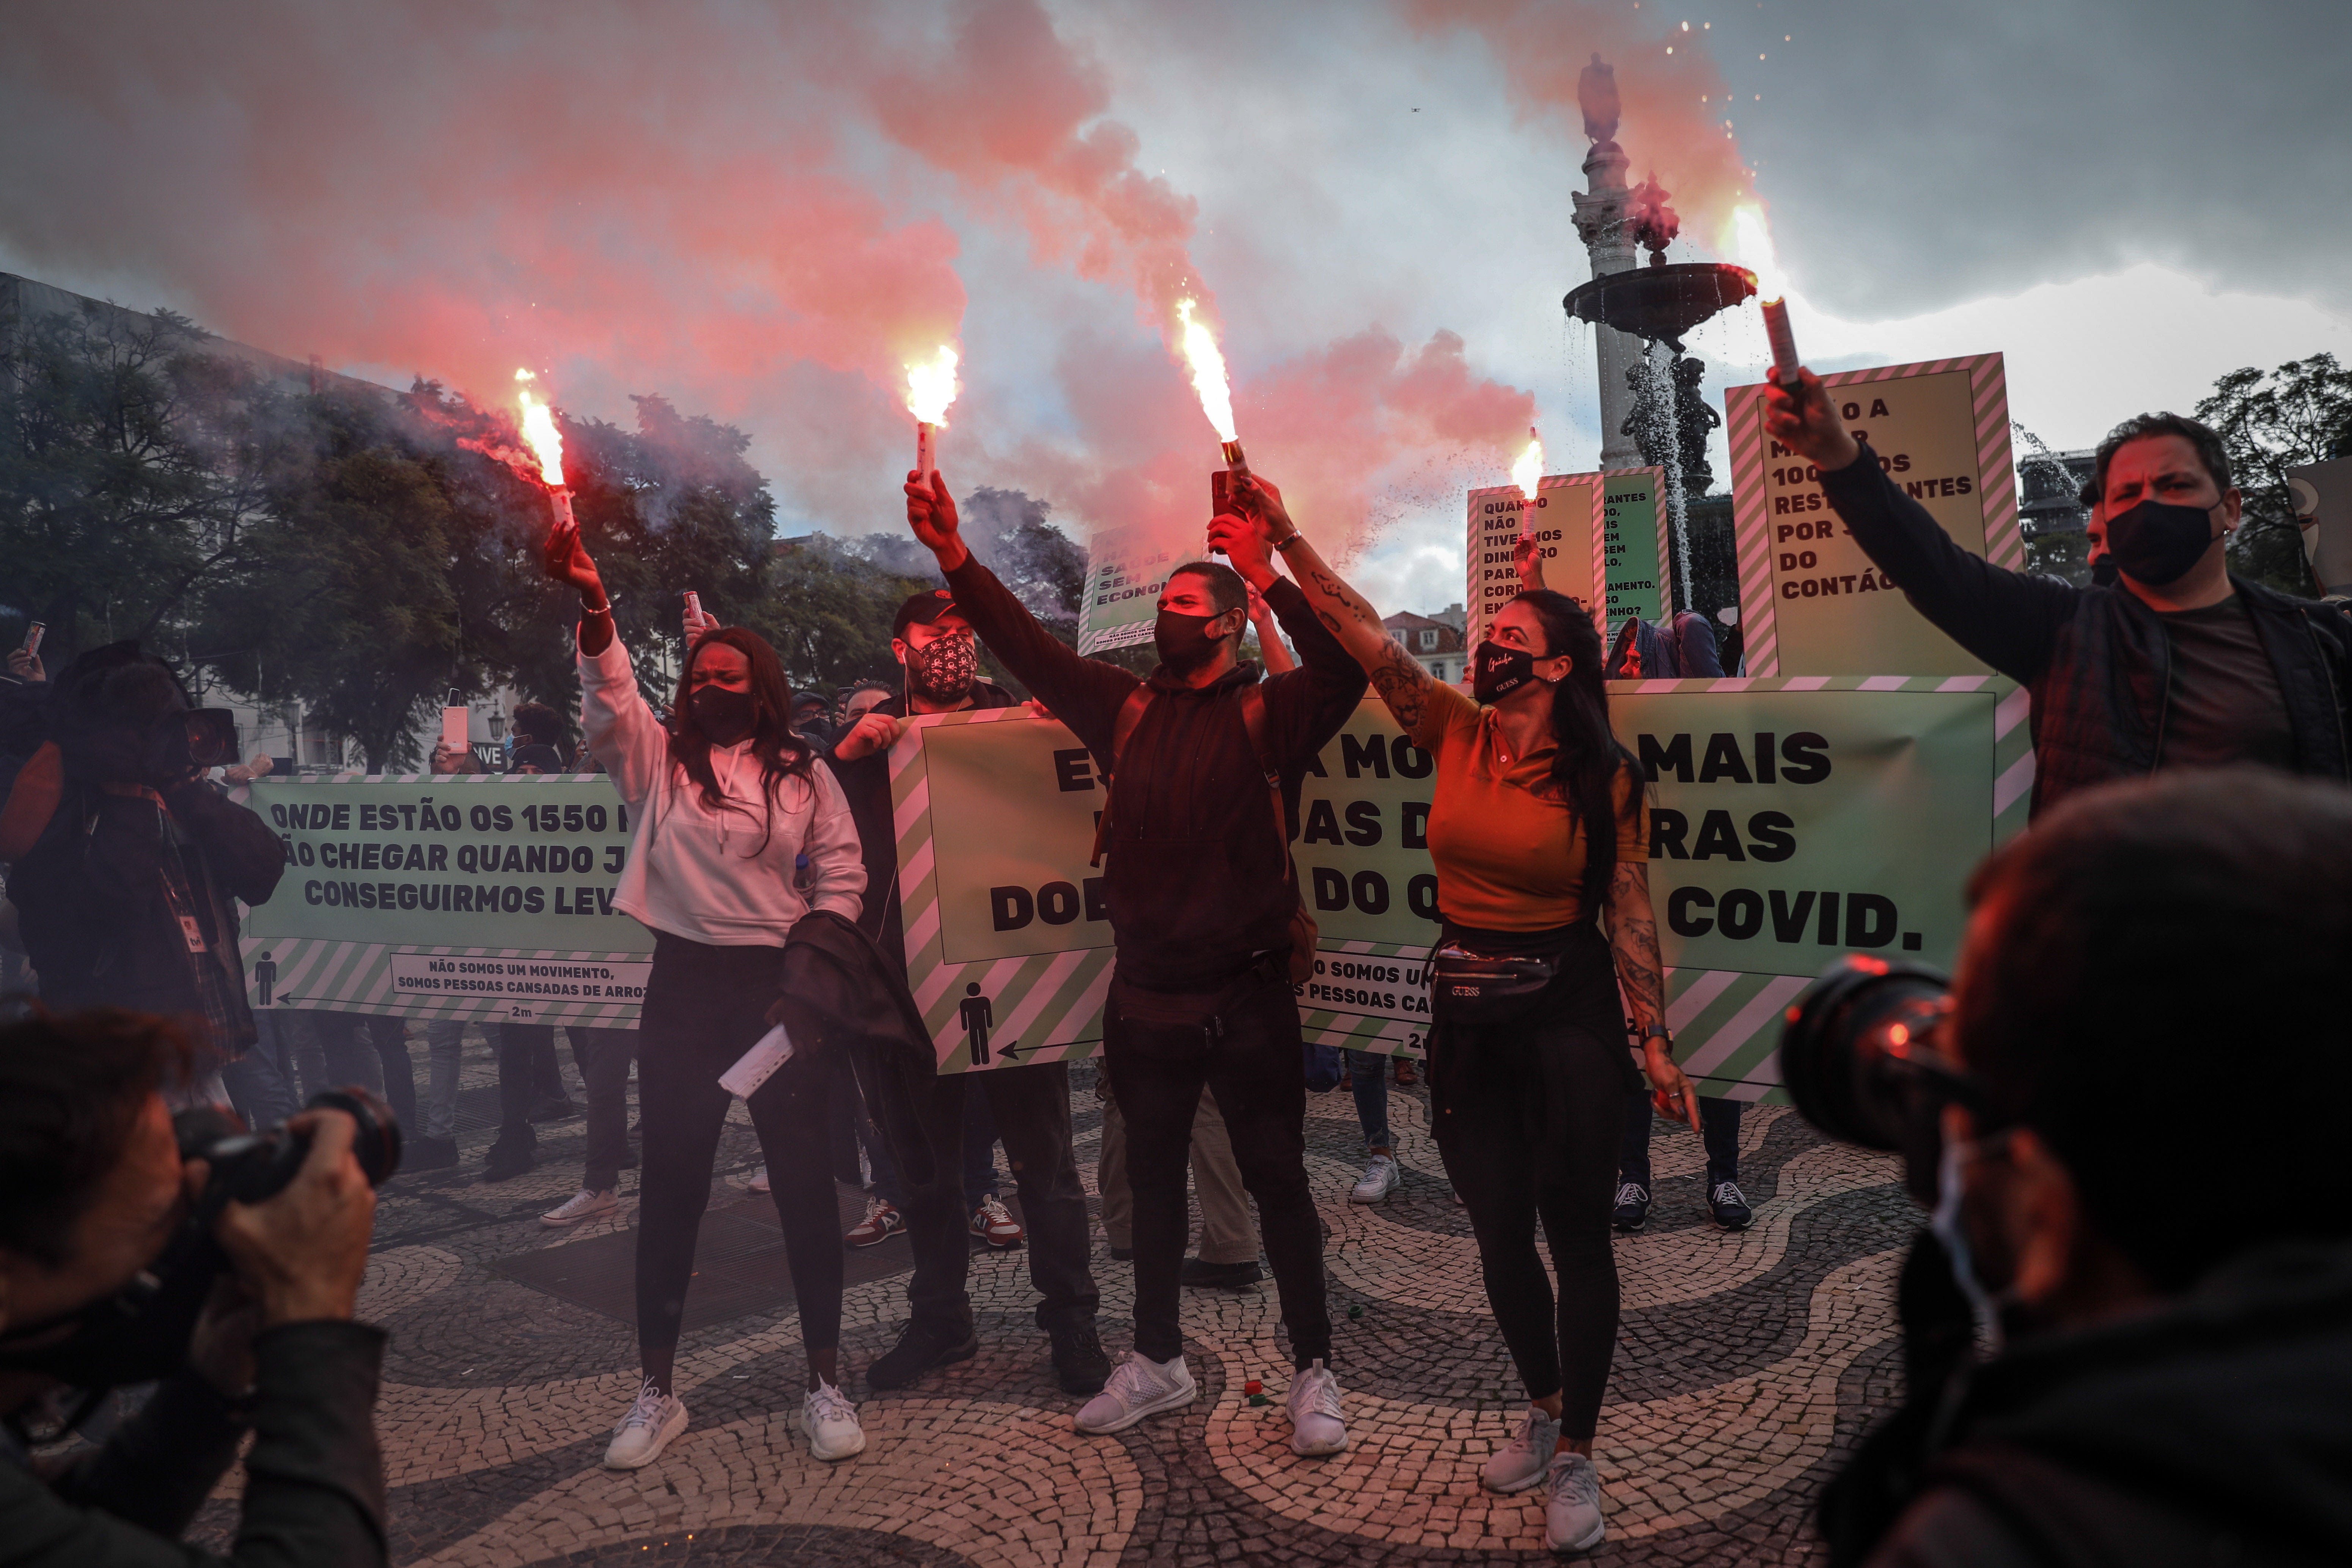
column 581, row 1204
column 759, row 1182
column 831, row 1423
column 1314, row 1423
column 1380, row 1179
column 1138, row 1387
column 1521, row 1462
column 645, row 1430
column 1572, row 1520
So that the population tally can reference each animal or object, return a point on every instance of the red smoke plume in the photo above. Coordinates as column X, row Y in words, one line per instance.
column 1542, row 45
column 734, row 206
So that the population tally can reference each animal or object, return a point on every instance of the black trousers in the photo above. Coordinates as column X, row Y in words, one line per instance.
column 1244, row 1047
column 1718, row 1122
column 704, row 1007
column 605, row 1070
column 1529, row 1115
column 1032, row 1109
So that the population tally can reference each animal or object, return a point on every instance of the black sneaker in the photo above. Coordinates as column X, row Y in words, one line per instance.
column 1633, row 1210
column 921, row 1348
column 505, row 1160
column 429, row 1155
column 1078, row 1358
column 1730, row 1205
column 628, row 1162
column 1122, row 1255
column 557, row 1108
column 1205, row 1275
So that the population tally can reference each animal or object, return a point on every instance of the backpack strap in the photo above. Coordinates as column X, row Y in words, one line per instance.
column 1253, row 721
column 1122, row 729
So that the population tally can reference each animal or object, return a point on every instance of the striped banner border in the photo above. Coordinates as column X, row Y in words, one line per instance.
column 1475, row 623
column 1744, row 426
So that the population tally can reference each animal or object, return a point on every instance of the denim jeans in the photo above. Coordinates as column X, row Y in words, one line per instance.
column 259, row 1084
column 1719, row 1122
column 329, row 1049
column 445, row 1040
column 1367, row 1074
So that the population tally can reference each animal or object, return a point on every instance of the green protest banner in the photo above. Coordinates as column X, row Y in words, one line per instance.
column 1125, row 572
column 1634, row 548
column 1813, row 604
column 1792, row 820
column 451, row 896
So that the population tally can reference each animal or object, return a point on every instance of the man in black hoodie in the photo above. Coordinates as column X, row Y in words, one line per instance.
column 1203, row 899
column 1030, row 1104
column 2160, row 961
column 2165, row 661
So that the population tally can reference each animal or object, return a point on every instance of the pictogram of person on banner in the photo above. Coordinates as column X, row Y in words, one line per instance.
column 978, row 1015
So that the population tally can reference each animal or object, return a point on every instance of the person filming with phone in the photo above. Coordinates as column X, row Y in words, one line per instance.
column 126, row 1255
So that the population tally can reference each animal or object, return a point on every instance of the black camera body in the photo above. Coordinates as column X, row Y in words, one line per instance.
column 193, row 738
column 1860, row 1056
column 141, row 1331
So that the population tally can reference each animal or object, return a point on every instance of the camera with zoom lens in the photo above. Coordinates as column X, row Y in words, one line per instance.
column 1861, row 1055
column 141, row 1331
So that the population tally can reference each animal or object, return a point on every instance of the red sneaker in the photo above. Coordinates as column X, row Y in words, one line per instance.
column 881, row 1222
column 995, row 1224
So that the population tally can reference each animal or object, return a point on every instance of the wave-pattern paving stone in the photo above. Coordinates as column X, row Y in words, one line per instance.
column 1748, row 1366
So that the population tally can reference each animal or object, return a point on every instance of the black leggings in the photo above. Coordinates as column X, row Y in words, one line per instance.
column 704, row 1006
column 1528, row 1116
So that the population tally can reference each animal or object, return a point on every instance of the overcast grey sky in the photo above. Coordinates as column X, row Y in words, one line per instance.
column 754, row 209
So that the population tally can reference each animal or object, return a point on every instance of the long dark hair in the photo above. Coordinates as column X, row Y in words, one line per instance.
column 780, row 751
column 1584, row 769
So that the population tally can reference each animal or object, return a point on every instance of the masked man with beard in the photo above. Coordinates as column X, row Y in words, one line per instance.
column 1202, row 902
column 1030, row 1104
column 2165, row 661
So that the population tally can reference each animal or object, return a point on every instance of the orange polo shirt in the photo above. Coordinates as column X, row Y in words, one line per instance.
column 1508, row 859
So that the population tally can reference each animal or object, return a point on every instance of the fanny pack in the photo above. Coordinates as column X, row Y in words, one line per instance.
column 1471, row 987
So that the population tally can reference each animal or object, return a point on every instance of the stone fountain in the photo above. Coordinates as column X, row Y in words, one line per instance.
column 1651, row 409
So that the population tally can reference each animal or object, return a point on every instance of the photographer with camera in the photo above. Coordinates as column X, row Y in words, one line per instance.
column 95, row 1198
column 127, row 891
column 2156, row 963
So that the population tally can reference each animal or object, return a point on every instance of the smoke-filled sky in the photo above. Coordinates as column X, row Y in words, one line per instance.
column 763, row 210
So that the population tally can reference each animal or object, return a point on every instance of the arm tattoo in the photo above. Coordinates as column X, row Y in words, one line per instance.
column 1403, row 685
column 1633, row 941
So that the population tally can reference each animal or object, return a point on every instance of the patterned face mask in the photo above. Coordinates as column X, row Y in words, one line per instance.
column 944, row 670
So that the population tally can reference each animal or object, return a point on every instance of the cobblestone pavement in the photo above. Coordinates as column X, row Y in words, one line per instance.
column 1748, row 1364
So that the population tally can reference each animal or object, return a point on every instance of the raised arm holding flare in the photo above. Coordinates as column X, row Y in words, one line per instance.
column 1536, row 821
column 1201, row 898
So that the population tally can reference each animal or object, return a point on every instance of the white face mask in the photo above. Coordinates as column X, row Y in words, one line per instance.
column 1949, row 1224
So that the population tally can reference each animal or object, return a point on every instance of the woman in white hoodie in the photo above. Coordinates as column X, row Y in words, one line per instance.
column 723, row 804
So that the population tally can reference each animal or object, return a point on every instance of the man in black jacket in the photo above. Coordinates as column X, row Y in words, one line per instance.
column 2166, row 662
column 127, row 898
column 2156, row 960
column 1203, row 899
column 1030, row 1104
column 91, row 1190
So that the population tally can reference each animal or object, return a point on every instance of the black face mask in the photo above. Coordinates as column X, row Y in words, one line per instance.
column 945, row 670
column 1501, row 670
column 2155, row 542
column 2105, row 571
column 724, row 717
column 1183, row 642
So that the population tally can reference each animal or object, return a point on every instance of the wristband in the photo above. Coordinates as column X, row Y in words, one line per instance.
column 603, row 609
column 1643, row 1037
column 1287, row 539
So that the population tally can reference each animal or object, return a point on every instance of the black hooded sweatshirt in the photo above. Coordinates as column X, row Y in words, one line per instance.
column 1197, row 886
column 2217, row 1429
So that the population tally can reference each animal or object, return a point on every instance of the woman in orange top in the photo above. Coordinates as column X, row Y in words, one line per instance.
column 1537, row 827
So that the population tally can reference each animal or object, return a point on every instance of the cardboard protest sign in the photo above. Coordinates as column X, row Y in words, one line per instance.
column 1125, row 572
column 1603, row 537
column 451, row 896
column 1792, row 820
column 1812, row 603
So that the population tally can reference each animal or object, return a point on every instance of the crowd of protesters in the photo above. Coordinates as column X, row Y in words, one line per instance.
column 763, row 860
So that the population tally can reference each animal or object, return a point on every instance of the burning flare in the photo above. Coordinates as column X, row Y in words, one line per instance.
column 1751, row 241
column 932, row 387
column 1208, row 367
column 1528, row 472
column 538, row 433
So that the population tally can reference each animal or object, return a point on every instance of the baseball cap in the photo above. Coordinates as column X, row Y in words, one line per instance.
column 923, row 609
